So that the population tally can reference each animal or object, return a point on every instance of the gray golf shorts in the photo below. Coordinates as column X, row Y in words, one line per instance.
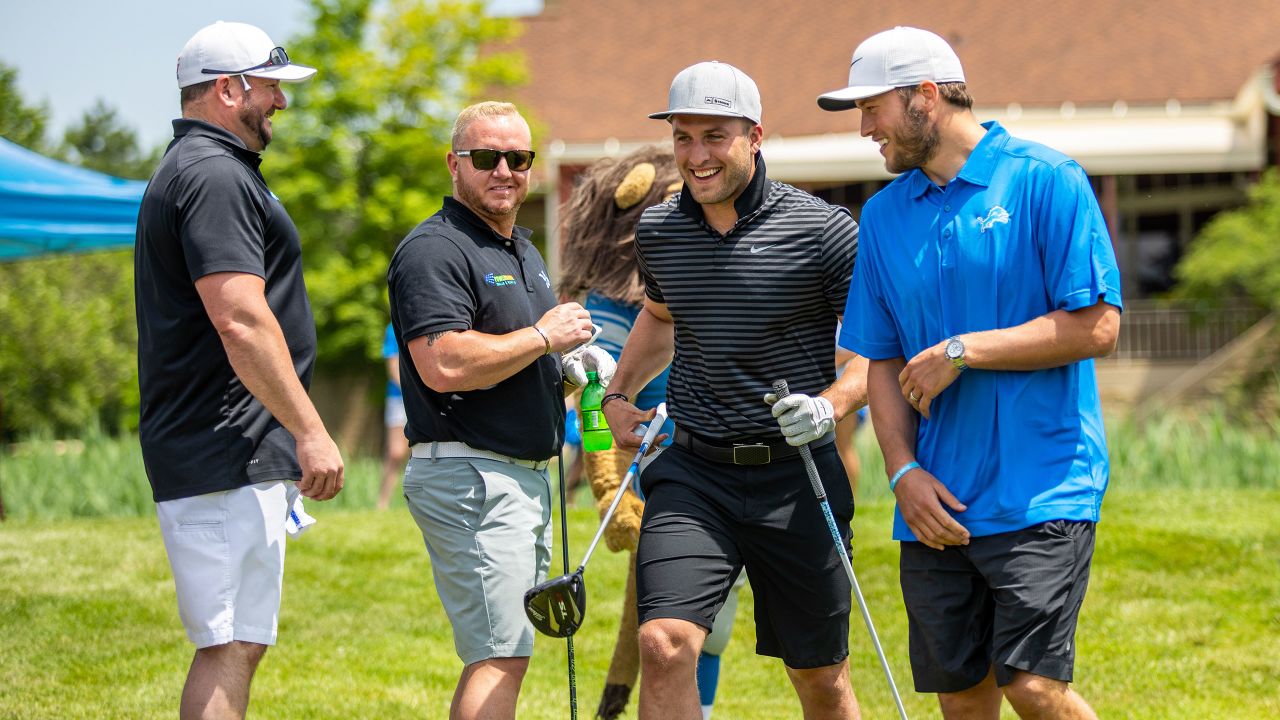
column 1008, row 601
column 487, row 527
column 704, row 522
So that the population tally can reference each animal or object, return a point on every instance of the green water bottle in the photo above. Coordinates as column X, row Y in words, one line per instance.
column 595, row 429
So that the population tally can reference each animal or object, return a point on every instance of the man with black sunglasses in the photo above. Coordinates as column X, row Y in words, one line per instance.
column 480, row 338
column 226, row 345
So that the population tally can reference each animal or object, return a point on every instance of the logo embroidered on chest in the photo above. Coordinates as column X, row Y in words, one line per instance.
column 545, row 279
column 995, row 215
column 760, row 248
column 499, row 280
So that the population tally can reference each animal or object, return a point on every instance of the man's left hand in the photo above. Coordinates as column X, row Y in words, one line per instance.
column 591, row 358
column 926, row 376
column 802, row 418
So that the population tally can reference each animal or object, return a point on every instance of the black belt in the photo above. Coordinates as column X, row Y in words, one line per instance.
column 760, row 453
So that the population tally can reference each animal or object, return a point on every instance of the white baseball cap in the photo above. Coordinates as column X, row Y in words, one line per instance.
column 232, row 48
column 901, row 57
column 712, row 88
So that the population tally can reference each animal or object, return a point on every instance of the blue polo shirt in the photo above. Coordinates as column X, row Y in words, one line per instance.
column 1016, row 235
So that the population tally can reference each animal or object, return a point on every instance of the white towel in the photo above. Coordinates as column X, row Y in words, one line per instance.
column 298, row 520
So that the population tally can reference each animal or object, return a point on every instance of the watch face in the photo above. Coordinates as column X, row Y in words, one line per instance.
column 955, row 349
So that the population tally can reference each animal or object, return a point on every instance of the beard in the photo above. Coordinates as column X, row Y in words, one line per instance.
column 255, row 121
column 734, row 176
column 915, row 144
column 493, row 208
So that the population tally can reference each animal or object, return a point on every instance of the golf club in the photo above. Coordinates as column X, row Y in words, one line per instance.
column 564, row 553
column 557, row 607
column 781, row 390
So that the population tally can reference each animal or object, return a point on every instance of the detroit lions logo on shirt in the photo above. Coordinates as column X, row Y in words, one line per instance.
column 499, row 280
column 995, row 215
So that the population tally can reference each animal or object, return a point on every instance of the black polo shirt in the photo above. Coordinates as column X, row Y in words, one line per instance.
column 454, row 272
column 207, row 209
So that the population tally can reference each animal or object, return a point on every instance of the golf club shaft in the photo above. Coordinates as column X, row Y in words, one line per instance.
column 781, row 390
column 655, row 426
column 564, row 553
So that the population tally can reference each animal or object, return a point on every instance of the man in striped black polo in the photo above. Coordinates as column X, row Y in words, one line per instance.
column 745, row 279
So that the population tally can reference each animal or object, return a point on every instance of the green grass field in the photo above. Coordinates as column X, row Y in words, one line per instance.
column 1182, row 619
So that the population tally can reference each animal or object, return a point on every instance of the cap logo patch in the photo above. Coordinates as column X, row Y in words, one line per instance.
column 717, row 101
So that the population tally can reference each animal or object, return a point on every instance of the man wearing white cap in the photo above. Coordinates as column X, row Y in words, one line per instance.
column 745, row 279
column 226, row 345
column 986, row 286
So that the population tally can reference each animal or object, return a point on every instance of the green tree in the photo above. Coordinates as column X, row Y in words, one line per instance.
column 20, row 123
column 1238, row 252
column 101, row 141
column 359, row 156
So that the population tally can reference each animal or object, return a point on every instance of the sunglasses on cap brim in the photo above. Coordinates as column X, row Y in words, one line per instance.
column 276, row 57
column 483, row 159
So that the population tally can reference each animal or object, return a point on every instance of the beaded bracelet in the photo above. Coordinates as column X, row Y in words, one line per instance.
column 612, row 396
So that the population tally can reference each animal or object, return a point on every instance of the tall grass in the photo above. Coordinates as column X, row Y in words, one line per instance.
column 100, row 476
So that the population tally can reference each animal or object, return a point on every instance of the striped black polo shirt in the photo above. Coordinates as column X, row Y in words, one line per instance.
column 752, row 306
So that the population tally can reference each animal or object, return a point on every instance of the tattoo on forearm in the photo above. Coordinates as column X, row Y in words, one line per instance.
column 433, row 337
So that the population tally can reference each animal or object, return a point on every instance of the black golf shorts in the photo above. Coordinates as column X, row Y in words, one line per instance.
column 705, row 521
column 1008, row 601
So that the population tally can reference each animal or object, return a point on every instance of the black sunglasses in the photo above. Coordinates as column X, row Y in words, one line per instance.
column 517, row 160
column 277, row 56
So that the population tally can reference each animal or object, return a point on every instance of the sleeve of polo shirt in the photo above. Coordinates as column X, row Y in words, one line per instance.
column 839, row 253
column 651, row 288
column 221, row 219
column 869, row 328
column 430, row 280
column 1079, row 262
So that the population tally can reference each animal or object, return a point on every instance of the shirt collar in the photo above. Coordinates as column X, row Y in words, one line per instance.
column 751, row 199
column 183, row 127
column 978, row 167
column 457, row 210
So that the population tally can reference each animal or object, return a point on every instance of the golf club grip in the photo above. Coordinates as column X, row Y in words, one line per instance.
column 781, row 389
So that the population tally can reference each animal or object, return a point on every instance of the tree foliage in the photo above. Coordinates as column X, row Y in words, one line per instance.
column 358, row 157
column 1238, row 252
column 20, row 123
column 101, row 141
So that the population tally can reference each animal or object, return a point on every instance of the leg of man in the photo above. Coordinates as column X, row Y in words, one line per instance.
column 1035, row 697
column 980, row 702
column 217, row 685
column 487, row 528
column 825, row 692
column 668, row 665
column 488, row 688
column 394, row 457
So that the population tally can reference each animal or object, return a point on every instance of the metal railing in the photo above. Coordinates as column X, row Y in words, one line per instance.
column 1154, row 330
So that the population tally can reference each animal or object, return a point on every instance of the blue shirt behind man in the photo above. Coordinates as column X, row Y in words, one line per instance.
column 1016, row 235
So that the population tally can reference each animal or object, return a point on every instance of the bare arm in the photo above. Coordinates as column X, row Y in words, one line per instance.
column 1052, row 340
column 455, row 361
column 237, row 306
column 920, row 495
column 848, row 393
column 393, row 369
column 648, row 350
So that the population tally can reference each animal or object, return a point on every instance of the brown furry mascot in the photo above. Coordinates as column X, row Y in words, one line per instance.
column 598, row 257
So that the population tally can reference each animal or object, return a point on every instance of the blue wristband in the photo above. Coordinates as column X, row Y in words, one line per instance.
column 893, row 481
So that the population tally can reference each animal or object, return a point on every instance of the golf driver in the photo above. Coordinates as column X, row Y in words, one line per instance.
column 781, row 390
column 557, row 607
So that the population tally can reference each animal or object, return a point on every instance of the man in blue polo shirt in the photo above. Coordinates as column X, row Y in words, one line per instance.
column 985, row 285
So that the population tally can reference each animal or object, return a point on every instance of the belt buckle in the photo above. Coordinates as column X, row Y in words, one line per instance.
column 757, row 454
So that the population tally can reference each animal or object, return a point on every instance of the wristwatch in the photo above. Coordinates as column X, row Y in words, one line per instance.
column 955, row 353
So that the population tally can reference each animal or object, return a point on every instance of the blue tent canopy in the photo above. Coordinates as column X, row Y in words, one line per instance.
column 50, row 207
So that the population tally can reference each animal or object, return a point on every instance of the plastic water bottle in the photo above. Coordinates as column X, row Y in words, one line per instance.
column 595, row 429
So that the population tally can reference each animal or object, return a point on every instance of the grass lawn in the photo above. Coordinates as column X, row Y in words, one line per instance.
column 1182, row 620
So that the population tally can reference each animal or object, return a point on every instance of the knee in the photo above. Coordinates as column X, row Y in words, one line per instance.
column 235, row 654
column 823, row 682
column 670, row 645
column 1032, row 695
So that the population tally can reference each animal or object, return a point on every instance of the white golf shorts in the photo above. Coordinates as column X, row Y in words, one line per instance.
column 226, row 550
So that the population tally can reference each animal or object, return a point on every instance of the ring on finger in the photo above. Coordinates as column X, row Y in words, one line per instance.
column 914, row 397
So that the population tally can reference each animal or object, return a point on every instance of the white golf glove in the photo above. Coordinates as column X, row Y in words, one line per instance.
column 578, row 361
column 802, row 418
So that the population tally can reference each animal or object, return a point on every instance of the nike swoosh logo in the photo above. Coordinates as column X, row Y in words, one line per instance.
column 855, row 62
column 757, row 248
